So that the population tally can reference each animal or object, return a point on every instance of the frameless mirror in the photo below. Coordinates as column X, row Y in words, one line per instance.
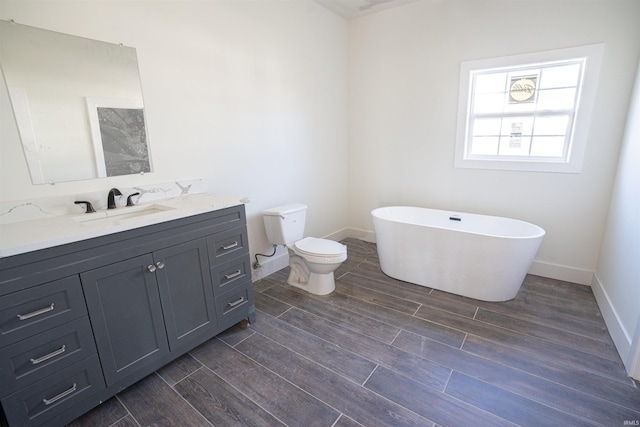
column 77, row 105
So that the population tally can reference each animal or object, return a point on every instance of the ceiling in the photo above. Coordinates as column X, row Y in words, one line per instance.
column 350, row 9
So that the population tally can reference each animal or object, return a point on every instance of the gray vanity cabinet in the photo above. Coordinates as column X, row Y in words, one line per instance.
column 80, row 322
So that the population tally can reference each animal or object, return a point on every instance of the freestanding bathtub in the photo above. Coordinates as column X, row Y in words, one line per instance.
column 476, row 256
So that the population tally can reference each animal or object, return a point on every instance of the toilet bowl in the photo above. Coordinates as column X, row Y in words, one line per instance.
column 313, row 262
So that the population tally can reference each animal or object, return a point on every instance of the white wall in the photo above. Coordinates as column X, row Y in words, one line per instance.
column 404, row 75
column 249, row 95
column 617, row 278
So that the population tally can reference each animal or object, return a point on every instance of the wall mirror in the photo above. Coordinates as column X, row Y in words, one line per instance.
column 76, row 105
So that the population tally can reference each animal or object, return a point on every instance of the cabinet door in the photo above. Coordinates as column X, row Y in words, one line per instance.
column 186, row 294
column 125, row 311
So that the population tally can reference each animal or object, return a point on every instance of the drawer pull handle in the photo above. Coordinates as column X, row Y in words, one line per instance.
column 232, row 275
column 151, row 268
column 160, row 265
column 36, row 313
column 48, row 356
column 238, row 301
column 64, row 394
column 231, row 246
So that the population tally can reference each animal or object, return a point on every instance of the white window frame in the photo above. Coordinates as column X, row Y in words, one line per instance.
column 574, row 152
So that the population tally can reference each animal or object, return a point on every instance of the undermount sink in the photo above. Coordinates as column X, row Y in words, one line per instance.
column 122, row 215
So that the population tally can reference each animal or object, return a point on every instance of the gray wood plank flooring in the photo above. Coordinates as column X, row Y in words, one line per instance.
column 380, row 352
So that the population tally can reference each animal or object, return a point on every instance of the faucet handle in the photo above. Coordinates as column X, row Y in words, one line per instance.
column 111, row 198
column 129, row 201
column 89, row 206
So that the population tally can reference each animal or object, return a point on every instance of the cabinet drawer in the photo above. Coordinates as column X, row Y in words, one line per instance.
column 227, row 245
column 234, row 306
column 228, row 218
column 37, row 309
column 31, row 360
column 230, row 274
column 55, row 394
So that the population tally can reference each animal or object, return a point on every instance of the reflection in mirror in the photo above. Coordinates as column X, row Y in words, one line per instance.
column 77, row 105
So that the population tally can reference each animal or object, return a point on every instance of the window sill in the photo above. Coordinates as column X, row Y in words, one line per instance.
column 520, row 165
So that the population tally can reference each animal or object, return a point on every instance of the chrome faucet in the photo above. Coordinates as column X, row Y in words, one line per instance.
column 111, row 200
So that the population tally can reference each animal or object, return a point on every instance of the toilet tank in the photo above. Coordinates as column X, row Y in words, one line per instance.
column 285, row 224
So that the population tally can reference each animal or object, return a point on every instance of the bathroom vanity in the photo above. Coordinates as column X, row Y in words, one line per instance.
column 91, row 303
column 100, row 309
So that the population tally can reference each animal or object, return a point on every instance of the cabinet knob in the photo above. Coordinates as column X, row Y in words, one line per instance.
column 151, row 268
column 160, row 265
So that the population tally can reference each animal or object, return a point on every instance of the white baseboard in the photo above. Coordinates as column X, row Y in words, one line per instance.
column 366, row 235
column 621, row 337
column 270, row 266
column 561, row 272
column 338, row 235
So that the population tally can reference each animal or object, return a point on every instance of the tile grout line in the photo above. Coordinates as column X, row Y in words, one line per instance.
column 395, row 337
column 176, row 382
column 287, row 310
column 340, row 415
column 116, row 422
column 253, row 331
column 444, row 389
column 127, row 408
column 464, row 339
column 417, row 309
column 370, row 374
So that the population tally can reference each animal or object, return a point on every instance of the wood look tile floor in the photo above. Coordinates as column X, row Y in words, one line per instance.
column 380, row 352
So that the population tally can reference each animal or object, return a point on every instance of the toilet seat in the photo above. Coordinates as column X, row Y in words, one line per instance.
column 322, row 251
column 315, row 246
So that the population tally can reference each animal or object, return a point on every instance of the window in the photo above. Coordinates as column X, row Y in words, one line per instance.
column 527, row 112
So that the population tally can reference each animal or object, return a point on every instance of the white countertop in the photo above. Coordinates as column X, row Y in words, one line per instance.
column 27, row 236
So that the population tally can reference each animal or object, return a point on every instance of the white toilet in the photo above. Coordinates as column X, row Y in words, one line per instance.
column 312, row 260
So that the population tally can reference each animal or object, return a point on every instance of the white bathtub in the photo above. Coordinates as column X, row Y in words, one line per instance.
column 476, row 256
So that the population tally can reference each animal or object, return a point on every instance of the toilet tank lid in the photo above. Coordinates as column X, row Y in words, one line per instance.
column 285, row 209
